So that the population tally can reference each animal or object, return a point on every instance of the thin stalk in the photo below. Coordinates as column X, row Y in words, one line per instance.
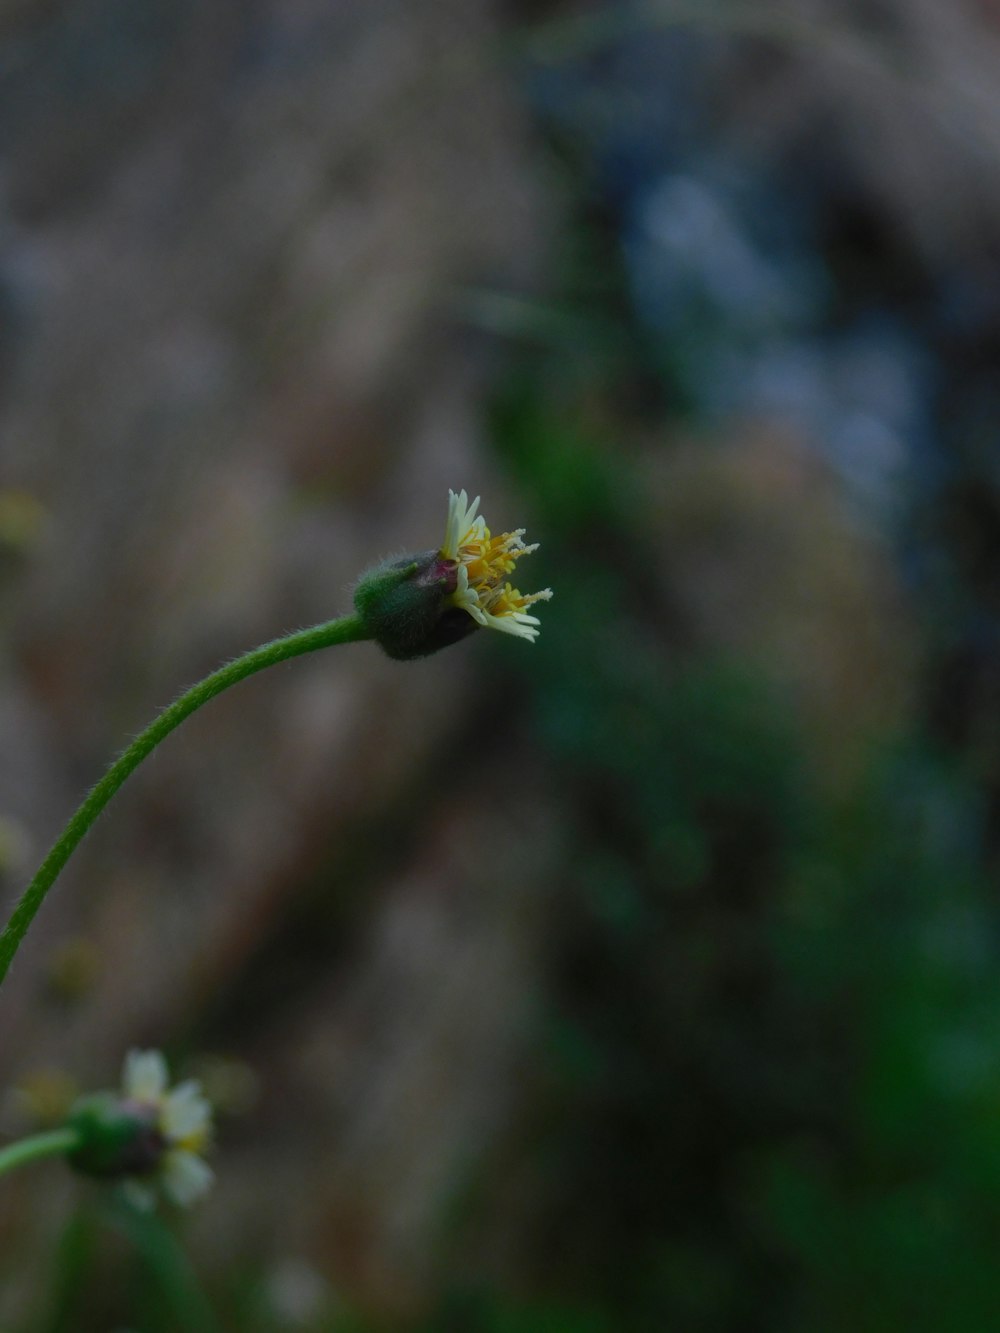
column 173, row 1289
column 348, row 629
column 55, row 1143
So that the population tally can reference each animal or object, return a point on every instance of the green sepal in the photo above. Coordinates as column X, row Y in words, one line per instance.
column 116, row 1137
column 406, row 606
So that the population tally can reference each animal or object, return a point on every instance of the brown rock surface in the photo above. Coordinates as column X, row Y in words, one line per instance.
column 231, row 239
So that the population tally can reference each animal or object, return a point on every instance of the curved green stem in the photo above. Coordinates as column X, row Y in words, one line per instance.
column 348, row 629
column 55, row 1143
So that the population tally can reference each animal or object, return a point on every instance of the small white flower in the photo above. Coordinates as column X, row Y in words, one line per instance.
column 182, row 1116
column 484, row 562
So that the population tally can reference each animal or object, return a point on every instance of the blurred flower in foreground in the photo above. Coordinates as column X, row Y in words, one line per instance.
column 148, row 1134
column 420, row 603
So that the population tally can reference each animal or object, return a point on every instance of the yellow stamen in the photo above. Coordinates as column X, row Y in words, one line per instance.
column 484, row 563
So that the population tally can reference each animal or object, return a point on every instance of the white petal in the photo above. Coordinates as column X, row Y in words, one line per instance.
column 467, row 598
column 185, row 1176
column 457, row 508
column 185, row 1113
column 513, row 624
column 144, row 1078
column 461, row 516
column 449, row 546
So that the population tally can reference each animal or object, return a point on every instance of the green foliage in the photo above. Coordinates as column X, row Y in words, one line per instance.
column 773, row 1042
column 483, row 1311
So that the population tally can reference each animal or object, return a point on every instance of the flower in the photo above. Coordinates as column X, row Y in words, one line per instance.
column 147, row 1134
column 417, row 604
column 482, row 564
column 182, row 1118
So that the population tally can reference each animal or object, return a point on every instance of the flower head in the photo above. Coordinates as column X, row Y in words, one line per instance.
column 148, row 1134
column 418, row 604
column 483, row 563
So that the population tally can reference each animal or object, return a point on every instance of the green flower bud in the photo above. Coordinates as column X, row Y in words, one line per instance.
column 116, row 1137
column 147, row 1135
column 407, row 605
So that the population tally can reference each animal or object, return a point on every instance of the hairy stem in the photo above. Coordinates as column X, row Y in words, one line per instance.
column 348, row 629
column 55, row 1143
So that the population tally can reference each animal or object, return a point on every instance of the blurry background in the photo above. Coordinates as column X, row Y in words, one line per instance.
column 647, row 978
